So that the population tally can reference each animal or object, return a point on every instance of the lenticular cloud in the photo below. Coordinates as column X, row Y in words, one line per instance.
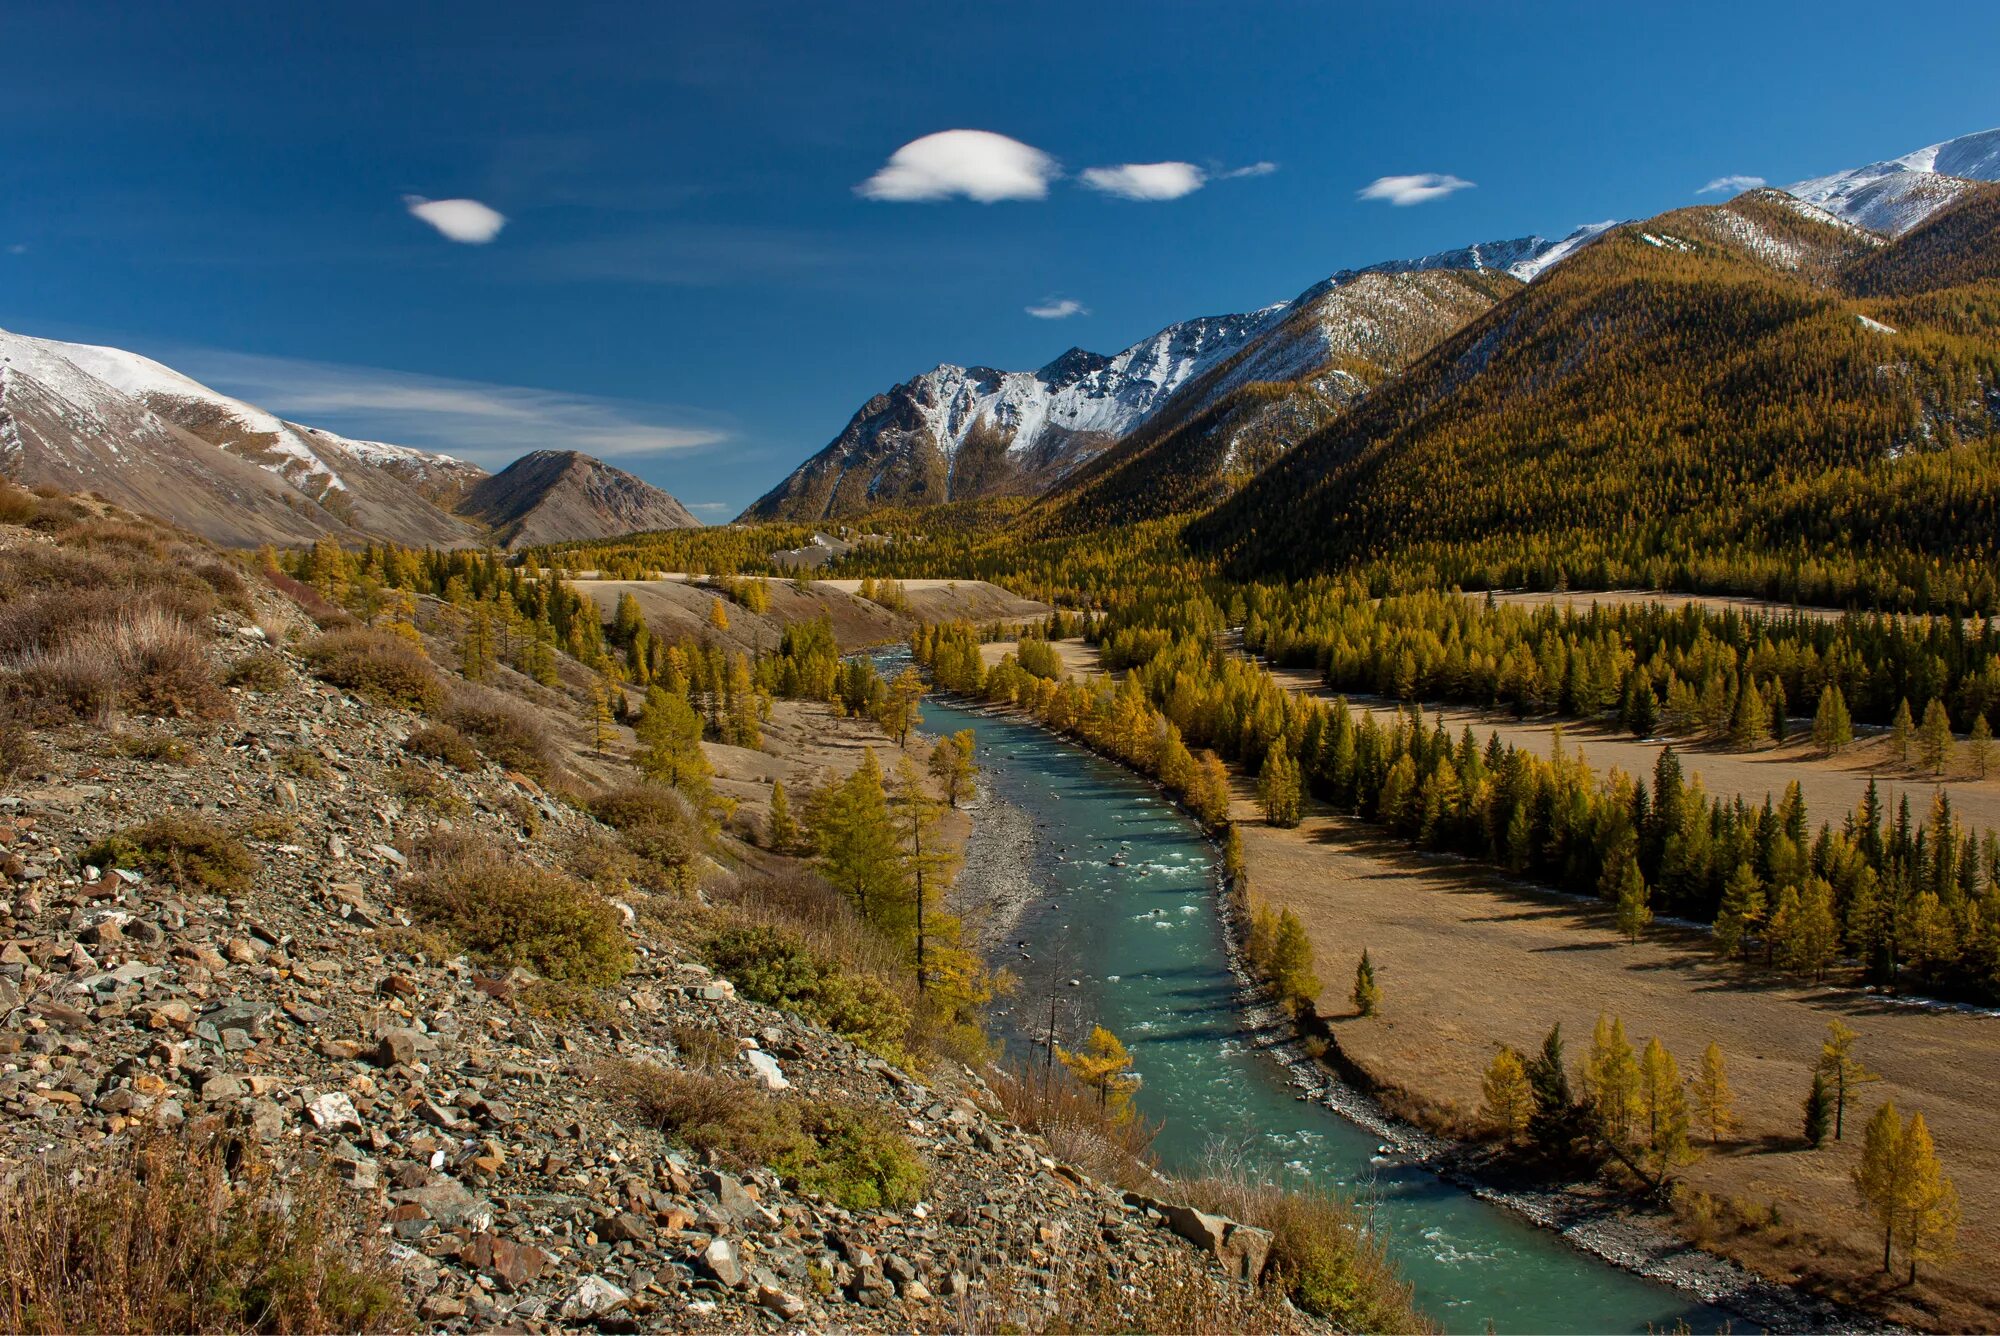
column 975, row 164
column 463, row 220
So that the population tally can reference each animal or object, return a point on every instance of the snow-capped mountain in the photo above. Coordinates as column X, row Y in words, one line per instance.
column 1894, row 196
column 89, row 418
column 956, row 432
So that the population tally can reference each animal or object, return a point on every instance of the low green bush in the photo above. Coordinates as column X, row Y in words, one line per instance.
column 850, row 1154
column 519, row 914
column 776, row 968
column 190, row 851
column 262, row 671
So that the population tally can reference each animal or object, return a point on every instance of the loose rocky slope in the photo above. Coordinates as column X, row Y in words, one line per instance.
column 298, row 1007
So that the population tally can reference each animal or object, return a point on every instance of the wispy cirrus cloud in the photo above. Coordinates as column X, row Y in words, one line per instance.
column 1253, row 169
column 1057, row 308
column 1733, row 184
column 1417, row 188
column 972, row 164
column 488, row 424
column 1146, row 180
column 463, row 220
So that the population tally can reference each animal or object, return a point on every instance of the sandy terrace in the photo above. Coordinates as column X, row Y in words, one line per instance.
column 1468, row 961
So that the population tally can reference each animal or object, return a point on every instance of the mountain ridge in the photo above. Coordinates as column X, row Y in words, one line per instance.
column 96, row 418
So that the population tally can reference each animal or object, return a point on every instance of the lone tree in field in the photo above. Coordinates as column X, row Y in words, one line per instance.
column 1934, row 741
column 1279, row 786
column 1367, row 995
column 1714, row 1101
column 1902, row 1184
column 1902, row 729
column 1664, row 1111
column 1819, row 1110
column 1291, row 965
column 1844, row 1074
column 1832, row 727
column 1979, row 747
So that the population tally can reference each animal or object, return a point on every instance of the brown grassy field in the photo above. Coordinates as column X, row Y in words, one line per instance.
column 677, row 606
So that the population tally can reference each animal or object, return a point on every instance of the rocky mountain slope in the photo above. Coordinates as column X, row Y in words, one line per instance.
column 1759, row 367
column 556, row 496
column 82, row 417
column 956, row 433
column 212, row 931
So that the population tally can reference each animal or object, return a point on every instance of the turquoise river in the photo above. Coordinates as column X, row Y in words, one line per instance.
column 1124, row 904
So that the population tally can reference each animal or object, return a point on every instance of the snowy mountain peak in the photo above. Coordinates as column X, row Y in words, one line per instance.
column 1896, row 194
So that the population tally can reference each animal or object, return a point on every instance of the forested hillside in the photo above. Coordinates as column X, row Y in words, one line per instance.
column 1749, row 397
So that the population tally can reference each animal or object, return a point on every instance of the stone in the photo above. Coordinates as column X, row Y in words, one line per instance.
column 765, row 1068
column 512, row 1265
column 219, row 1087
column 399, row 1047
column 449, row 1202
column 731, row 1197
column 786, row 1305
column 625, row 1227
column 593, row 1297
column 719, row 1260
column 333, row 1111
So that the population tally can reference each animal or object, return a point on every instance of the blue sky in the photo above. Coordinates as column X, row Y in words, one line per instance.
column 688, row 280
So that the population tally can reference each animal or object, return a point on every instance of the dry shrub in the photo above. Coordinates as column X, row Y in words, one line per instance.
column 445, row 744
column 382, row 666
column 145, row 658
column 658, row 829
column 1079, row 1130
column 1322, row 1258
column 191, row 851
column 326, row 615
column 420, row 789
column 851, row 1154
column 269, row 827
column 174, row 1234
column 19, row 754
column 700, row 1048
column 303, row 762
column 512, row 913
column 504, row 730
column 17, row 504
column 640, row 804
column 262, row 671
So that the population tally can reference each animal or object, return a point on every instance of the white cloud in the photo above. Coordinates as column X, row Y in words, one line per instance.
column 489, row 424
column 1254, row 169
column 707, row 507
column 465, row 220
column 1147, row 180
column 1403, row 191
column 976, row 164
column 1058, row 308
column 1732, row 184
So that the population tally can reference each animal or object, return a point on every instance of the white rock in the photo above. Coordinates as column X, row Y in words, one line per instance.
column 594, row 1297
column 766, row 1069
column 334, row 1111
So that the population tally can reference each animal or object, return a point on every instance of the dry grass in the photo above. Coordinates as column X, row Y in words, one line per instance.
column 262, row 671
column 1181, row 1292
column 176, row 1235
column 1053, row 1106
column 382, row 666
column 147, row 659
column 445, row 744
column 1320, row 1257
column 504, row 730
column 19, row 753
column 153, row 744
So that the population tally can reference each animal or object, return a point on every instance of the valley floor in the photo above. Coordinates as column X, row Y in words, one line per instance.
column 1469, row 960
